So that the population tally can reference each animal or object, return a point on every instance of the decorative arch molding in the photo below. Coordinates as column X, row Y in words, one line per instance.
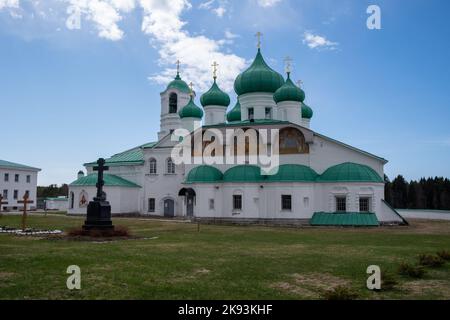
column 292, row 141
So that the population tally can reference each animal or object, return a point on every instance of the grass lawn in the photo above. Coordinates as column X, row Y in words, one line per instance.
column 219, row 262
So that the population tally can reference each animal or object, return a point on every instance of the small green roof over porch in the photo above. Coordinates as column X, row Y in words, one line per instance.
column 348, row 219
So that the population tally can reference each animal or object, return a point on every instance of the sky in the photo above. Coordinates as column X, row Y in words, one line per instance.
column 80, row 79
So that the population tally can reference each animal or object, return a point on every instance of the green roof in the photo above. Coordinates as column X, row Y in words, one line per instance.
column 306, row 111
column 204, row 174
column 215, row 97
column 344, row 219
column 13, row 165
column 259, row 77
column 179, row 84
column 130, row 157
column 110, row 180
column 289, row 92
column 350, row 172
column 57, row 199
column 235, row 113
column 293, row 173
column 243, row 173
column 191, row 110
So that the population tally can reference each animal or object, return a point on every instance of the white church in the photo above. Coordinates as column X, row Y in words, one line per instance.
column 318, row 181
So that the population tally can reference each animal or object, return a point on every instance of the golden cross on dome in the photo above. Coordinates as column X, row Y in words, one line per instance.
column 215, row 65
column 191, row 86
column 178, row 63
column 259, row 35
column 288, row 61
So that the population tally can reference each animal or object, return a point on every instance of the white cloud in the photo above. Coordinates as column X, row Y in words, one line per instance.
column 162, row 21
column 318, row 42
column 206, row 5
column 230, row 35
column 220, row 11
column 268, row 3
column 9, row 4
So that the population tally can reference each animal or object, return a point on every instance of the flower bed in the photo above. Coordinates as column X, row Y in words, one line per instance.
column 28, row 232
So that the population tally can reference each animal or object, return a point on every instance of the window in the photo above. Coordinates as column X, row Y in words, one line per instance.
column 16, row 178
column 306, row 202
column 341, row 204
column 153, row 166
column 170, row 166
column 364, row 204
column 5, row 194
column 211, row 204
column 251, row 113
column 28, row 178
column 16, row 194
column 27, row 193
column 286, row 202
column 151, row 205
column 237, row 202
column 173, row 103
column 268, row 113
column 6, row 177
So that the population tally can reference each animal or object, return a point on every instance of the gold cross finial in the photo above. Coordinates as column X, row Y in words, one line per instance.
column 178, row 66
column 191, row 86
column 259, row 35
column 215, row 65
column 288, row 62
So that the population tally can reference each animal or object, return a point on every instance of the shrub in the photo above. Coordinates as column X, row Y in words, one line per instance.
column 388, row 281
column 430, row 260
column 444, row 255
column 410, row 270
column 118, row 231
column 340, row 293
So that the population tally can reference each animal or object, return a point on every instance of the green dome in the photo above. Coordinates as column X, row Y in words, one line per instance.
column 259, row 77
column 289, row 92
column 307, row 112
column 204, row 174
column 191, row 111
column 244, row 173
column 293, row 173
column 235, row 113
column 179, row 84
column 215, row 97
column 350, row 172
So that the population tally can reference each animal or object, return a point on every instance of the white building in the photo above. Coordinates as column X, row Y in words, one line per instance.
column 16, row 180
column 319, row 180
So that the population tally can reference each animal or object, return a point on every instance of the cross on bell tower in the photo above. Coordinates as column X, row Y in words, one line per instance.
column 178, row 63
column 258, row 36
column 215, row 65
column 288, row 64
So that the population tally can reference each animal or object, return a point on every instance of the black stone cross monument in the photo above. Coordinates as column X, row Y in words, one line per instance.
column 99, row 210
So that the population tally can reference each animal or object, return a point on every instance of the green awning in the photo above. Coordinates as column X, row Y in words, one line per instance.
column 350, row 219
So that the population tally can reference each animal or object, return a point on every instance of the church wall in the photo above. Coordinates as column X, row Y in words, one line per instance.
column 325, row 154
column 215, row 115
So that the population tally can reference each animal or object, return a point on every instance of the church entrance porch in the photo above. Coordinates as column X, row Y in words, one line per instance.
column 189, row 195
column 169, row 208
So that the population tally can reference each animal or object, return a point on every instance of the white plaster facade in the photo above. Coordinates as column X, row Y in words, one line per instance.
column 15, row 181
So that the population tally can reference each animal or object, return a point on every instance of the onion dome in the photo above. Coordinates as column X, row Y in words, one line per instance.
column 350, row 172
column 259, row 77
column 307, row 112
column 179, row 84
column 235, row 113
column 204, row 174
column 191, row 110
column 215, row 97
column 289, row 92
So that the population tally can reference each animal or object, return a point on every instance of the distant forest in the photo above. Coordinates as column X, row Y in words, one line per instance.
column 431, row 193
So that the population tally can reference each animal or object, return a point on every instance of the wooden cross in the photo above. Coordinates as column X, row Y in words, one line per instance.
column 25, row 201
column 100, row 168
column 288, row 61
column 178, row 66
column 2, row 203
column 259, row 35
column 215, row 65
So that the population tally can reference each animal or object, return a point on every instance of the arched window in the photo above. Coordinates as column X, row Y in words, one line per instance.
column 153, row 166
column 173, row 103
column 170, row 166
column 72, row 199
